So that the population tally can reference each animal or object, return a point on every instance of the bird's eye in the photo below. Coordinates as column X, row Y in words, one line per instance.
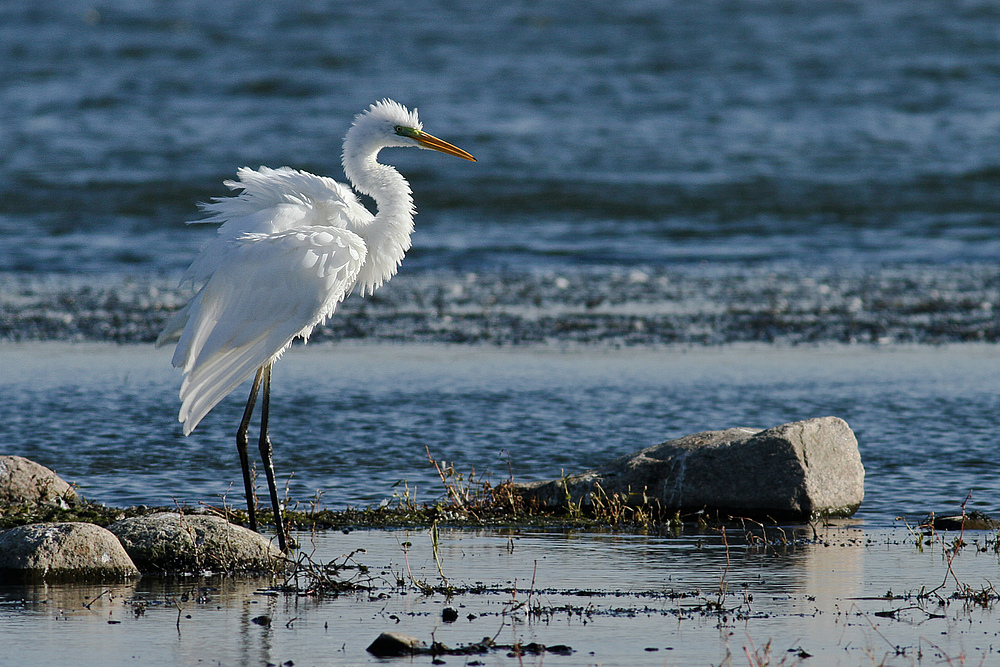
column 399, row 129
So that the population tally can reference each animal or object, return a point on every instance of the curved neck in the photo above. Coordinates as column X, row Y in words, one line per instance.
column 387, row 236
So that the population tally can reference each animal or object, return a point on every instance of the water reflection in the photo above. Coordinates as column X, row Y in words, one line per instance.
column 610, row 596
column 65, row 600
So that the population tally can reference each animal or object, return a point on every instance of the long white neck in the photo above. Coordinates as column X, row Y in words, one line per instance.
column 388, row 234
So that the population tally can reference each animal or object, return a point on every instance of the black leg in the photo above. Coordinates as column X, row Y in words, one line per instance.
column 265, row 454
column 241, row 446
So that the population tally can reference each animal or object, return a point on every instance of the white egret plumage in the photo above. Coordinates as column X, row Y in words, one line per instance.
column 291, row 246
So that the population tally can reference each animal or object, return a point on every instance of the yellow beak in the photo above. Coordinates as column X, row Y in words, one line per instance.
column 432, row 142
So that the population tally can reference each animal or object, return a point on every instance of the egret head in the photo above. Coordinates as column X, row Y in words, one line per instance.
column 395, row 125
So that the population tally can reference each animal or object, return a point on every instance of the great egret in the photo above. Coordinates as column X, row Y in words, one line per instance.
column 290, row 248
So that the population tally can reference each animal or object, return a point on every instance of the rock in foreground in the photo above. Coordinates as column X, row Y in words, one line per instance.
column 170, row 542
column 395, row 644
column 63, row 552
column 24, row 482
column 793, row 471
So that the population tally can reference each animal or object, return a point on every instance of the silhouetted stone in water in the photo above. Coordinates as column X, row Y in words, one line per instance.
column 972, row 521
column 391, row 644
column 24, row 482
column 171, row 542
column 793, row 471
column 63, row 552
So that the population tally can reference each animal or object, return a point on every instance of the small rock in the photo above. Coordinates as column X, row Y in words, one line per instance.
column 171, row 542
column 449, row 614
column 24, row 482
column 972, row 521
column 793, row 471
column 63, row 552
column 392, row 644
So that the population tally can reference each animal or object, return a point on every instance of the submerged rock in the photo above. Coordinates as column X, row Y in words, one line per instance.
column 793, row 471
column 63, row 552
column 24, row 482
column 171, row 542
column 393, row 644
column 974, row 520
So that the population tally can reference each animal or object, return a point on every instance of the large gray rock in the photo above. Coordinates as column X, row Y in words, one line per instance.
column 24, row 482
column 63, row 552
column 793, row 471
column 170, row 542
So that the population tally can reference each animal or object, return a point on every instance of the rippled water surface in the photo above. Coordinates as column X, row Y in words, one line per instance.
column 352, row 421
column 781, row 142
column 638, row 132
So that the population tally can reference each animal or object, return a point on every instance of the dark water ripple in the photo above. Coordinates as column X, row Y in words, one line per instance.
column 830, row 132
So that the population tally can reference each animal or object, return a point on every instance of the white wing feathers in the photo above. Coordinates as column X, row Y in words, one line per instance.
column 265, row 188
column 275, row 200
column 268, row 290
column 279, row 267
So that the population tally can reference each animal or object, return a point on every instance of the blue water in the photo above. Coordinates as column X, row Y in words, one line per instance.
column 632, row 132
column 355, row 423
column 797, row 135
